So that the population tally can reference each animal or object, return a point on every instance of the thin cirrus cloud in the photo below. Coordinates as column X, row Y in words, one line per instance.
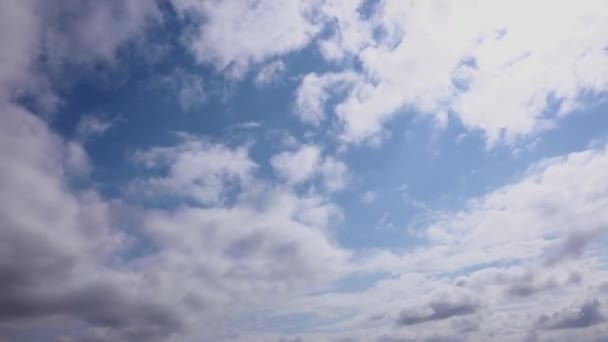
column 200, row 233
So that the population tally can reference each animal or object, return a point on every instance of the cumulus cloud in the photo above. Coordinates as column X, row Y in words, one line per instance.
column 489, row 63
column 236, row 34
column 298, row 166
column 39, row 39
column 588, row 314
column 58, row 243
column 307, row 162
column 558, row 196
column 223, row 243
column 496, row 247
column 270, row 241
column 314, row 92
column 66, row 255
column 55, row 243
column 441, row 306
column 195, row 169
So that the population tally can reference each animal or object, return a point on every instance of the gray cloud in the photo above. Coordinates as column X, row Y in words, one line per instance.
column 56, row 245
column 389, row 338
column 99, row 305
column 465, row 325
column 295, row 339
column 40, row 39
column 444, row 339
column 433, row 338
column 588, row 314
column 441, row 307
column 526, row 289
column 573, row 246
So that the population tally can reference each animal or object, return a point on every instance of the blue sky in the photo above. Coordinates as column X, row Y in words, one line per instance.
column 327, row 170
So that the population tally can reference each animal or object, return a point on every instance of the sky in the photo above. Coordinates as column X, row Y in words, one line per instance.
column 303, row 170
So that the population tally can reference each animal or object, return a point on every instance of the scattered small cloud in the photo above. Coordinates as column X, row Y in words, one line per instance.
column 92, row 126
column 269, row 73
column 368, row 197
column 306, row 163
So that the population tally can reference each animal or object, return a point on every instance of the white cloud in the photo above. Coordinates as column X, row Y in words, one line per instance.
column 559, row 196
column 501, row 247
column 58, row 244
column 368, row 197
column 315, row 90
column 334, row 174
column 490, row 62
column 197, row 170
column 91, row 126
column 195, row 261
column 66, row 32
column 237, row 246
column 298, row 166
column 236, row 34
column 269, row 73
column 306, row 163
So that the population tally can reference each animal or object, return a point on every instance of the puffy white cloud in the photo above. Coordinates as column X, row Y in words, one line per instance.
column 297, row 166
column 195, row 169
column 302, row 165
column 236, row 34
column 334, row 173
column 247, row 250
column 507, row 258
column 66, row 254
column 559, row 196
column 315, row 91
column 488, row 62
column 237, row 246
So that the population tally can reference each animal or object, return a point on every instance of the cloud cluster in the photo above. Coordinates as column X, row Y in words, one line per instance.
column 203, row 240
column 492, row 269
column 490, row 64
column 234, row 35
column 588, row 314
column 67, row 254
column 441, row 306
column 195, row 170
column 306, row 163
